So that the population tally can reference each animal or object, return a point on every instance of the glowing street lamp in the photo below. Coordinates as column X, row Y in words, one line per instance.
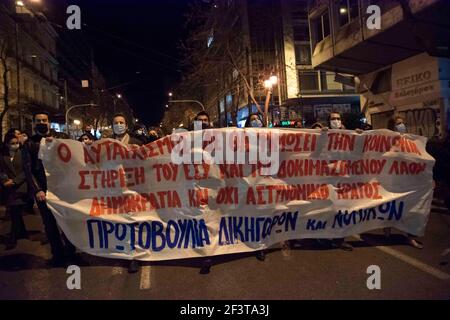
column 268, row 84
column 274, row 80
column 76, row 122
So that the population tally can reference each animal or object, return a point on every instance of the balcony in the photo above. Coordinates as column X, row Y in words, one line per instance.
column 351, row 47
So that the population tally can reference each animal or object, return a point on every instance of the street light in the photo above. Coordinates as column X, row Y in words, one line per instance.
column 76, row 122
column 119, row 96
column 170, row 94
column 274, row 80
column 268, row 84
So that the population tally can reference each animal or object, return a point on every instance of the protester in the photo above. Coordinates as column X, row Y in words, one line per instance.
column 400, row 127
column 202, row 117
column 36, row 173
column 87, row 139
column 335, row 122
column 14, row 184
column 140, row 133
column 24, row 138
column 59, row 135
column 152, row 136
column 15, row 132
column 317, row 125
column 254, row 120
column 89, row 129
column 440, row 150
column 120, row 128
column 298, row 123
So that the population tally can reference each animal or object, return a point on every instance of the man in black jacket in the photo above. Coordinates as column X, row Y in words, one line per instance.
column 41, row 126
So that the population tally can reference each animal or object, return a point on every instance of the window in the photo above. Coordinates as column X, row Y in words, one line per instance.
column 382, row 82
column 322, row 26
column 347, row 11
column 303, row 54
column 308, row 81
column 327, row 82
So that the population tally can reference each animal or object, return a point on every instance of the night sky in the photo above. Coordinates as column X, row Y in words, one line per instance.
column 137, row 41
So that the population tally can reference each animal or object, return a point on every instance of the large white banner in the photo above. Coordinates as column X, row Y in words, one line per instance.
column 136, row 203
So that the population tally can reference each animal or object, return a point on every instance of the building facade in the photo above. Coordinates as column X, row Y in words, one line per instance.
column 401, row 68
column 32, row 73
column 253, row 40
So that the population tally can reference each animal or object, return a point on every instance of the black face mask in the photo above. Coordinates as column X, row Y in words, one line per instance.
column 41, row 128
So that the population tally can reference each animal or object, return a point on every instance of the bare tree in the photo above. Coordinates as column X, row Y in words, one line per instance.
column 4, row 47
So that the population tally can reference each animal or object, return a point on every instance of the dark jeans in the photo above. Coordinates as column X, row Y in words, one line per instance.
column 17, row 225
column 52, row 231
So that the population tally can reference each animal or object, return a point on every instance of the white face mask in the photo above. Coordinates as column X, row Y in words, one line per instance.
column 335, row 124
column 119, row 128
column 256, row 123
column 400, row 128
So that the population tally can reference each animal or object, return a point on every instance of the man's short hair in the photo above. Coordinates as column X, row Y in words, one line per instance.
column 40, row 112
column 119, row 115
column 335, row 112
column 201, row 113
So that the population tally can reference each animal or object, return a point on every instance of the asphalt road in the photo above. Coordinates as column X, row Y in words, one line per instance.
column 304, row 272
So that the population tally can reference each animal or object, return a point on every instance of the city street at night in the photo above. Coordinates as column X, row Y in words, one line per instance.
column 306, row 272
column 225, row 158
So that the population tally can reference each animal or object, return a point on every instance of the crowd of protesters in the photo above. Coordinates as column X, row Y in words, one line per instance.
column 23, row 182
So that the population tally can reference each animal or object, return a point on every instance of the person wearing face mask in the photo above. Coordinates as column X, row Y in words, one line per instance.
column 86, row 139
column 400, row 127
column 201, row 119
column 140, row 133
column 59, row 244
column 120, row 130
column 254, row 120
column 14, row 184
column 335, row 121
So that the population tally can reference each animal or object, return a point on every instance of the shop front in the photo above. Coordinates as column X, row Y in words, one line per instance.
column 418, row 91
